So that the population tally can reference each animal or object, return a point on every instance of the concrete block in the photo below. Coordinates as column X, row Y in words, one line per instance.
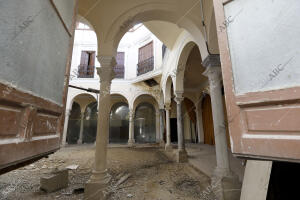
column 55, row 181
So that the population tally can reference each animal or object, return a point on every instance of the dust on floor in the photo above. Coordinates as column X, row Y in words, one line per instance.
column 137, row 174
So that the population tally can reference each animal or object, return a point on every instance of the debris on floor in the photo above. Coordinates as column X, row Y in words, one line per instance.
column 137, row 174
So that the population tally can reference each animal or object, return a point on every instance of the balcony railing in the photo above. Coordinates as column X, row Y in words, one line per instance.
column 85, row 71
column 145, row 66
column 119, row 71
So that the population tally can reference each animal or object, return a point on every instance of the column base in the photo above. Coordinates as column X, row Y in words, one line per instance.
column 181, row 156
column 225, row 184
column 95, row 188
column 79, row 141
column 131, row 142
column 222, row 172
column 162, row 143
column 168, row 147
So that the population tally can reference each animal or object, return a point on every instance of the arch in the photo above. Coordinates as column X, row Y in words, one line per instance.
column 74, row 124
column 119, row 123
column 181, row 65
column 144, row 96
column 83, row 99
column 140, row 12
column 117, row 97
column 168, row 90
column 84, row 20
column 145, row 123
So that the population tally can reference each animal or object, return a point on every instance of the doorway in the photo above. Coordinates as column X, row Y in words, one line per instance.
column 173, row 126
column 207, row 118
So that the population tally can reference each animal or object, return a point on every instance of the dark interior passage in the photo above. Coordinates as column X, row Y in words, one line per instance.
column 173, row 125
column 207, row 118
column 90, row 123
column 144, row 124
column 74, row 124
column 283, row 183
column 119, row 123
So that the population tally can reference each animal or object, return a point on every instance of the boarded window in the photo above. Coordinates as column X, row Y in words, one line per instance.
column 146, row 61
column 119, row 68
column 87, row 64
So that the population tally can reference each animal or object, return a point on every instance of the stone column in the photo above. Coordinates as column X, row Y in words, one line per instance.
column 213, row 72
column 161, row 127
column 79, row 141
column 131, row 139
column 181, row 154
column 199, row 123
column 67, row 115
column 168, row 144
column 95, row 187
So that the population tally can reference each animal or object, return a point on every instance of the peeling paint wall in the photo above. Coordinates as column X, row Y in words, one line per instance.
column 33, row 47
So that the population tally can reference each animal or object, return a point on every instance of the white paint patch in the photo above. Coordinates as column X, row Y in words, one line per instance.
column 44, row 137
column 274, row 137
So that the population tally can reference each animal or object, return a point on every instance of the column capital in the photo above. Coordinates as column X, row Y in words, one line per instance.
column 107, row 61
column 178, row 97
column 106, row 74
column 214, row 75
column 212, row 61
column 167, row 106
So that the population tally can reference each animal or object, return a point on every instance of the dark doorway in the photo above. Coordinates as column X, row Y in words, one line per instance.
column 74, row 124
column 119, row 123
column 144, row 124
column 207, row 118
column 173, row 123
column 283, row 181
column 90, row 123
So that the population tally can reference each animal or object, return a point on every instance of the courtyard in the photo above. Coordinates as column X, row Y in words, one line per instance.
column 137, row 173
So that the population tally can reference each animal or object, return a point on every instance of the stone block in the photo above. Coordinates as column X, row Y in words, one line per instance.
column 55, row 181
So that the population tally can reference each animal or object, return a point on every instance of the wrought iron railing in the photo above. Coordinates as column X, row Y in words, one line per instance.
column 145, row 66
column 85, row 71
column 119, row 71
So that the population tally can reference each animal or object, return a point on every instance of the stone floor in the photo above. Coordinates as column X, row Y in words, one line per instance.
column 151, row 176
column 203, row 157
